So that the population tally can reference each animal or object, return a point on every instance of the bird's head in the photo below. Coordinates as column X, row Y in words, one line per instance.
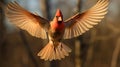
column 59, row 16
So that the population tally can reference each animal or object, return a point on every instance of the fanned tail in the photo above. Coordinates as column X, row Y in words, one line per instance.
column 49, row 52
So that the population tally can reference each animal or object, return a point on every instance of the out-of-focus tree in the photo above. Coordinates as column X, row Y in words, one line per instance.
column 98, row 47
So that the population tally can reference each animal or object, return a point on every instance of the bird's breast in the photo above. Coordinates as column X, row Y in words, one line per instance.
column 56, row 31
column 57, row 27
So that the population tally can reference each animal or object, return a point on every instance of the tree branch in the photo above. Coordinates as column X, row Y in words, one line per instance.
column 23, row 38
column 115, row 54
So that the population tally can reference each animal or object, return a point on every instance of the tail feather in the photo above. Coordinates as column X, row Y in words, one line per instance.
column 49, row 52
column 44, row 53
column 66, row 48
column 57, row 54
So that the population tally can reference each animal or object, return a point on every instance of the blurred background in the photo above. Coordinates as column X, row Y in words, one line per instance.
column 99, row 47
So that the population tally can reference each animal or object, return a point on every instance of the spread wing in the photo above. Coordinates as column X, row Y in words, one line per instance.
column 25, row 20
column 80, row 23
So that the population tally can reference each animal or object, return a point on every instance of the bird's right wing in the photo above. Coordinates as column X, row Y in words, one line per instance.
column 25, row 20
column 80, row 23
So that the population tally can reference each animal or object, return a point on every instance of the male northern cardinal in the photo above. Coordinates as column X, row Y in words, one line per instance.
column 56, row 30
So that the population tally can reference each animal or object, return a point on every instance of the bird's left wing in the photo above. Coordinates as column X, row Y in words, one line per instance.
column 80, row 23
column 25, row 20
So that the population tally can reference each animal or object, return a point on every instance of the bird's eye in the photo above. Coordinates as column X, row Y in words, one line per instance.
column 57, row 16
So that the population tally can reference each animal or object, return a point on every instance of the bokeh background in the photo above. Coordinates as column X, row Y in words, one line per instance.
column 99, row 47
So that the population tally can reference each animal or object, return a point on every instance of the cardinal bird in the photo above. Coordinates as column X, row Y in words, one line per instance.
column 57, row 30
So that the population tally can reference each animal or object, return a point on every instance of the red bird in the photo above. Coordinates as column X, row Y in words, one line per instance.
column 56, row 30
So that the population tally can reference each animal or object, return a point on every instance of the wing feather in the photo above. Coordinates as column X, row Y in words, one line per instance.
column 80, row 23
column 33, row 24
